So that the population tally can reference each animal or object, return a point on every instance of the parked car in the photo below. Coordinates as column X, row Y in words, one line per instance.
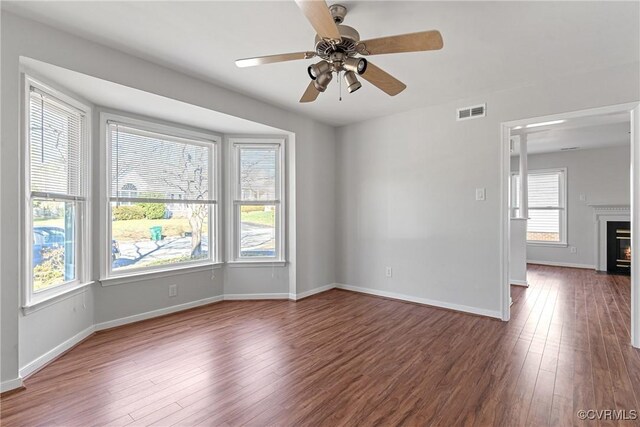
column 46, row 238
column 54, row 237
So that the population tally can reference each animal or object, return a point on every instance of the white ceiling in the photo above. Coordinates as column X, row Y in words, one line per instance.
column 487, row 45
column 110, row 95
column 583, row 133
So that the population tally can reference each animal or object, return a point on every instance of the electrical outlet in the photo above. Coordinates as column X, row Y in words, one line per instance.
column 389, row 272
column 573, row 250
column 173, row 290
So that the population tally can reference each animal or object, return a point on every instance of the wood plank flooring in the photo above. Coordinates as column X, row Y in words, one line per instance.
column 342, row 358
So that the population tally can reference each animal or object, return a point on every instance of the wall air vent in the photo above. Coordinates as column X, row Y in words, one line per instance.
column 473, row 112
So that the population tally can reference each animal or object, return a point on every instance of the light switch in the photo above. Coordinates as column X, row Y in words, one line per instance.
column 481, row 194
column 583, row 198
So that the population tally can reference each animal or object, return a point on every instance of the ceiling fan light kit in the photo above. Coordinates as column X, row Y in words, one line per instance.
column 339, row 45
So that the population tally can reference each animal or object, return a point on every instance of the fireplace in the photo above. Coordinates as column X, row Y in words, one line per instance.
column 619, row 247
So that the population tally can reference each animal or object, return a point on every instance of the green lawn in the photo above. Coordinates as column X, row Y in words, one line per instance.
column 138, row 229
column 259, row 217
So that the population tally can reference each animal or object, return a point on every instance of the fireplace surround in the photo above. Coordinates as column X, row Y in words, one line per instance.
column 603, row 214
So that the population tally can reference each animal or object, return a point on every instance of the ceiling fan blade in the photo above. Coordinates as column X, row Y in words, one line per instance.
column 270, row 59
column 383, row 80
column 317, row 12
column 413, row 42
column 310, row 94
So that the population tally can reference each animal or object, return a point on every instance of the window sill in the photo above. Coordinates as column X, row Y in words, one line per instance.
column 148, row 275
column 549, row 244
column 54, row 298
column 261, row 263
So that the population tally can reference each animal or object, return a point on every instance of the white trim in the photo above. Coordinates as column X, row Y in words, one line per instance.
column 50, row 355
column 562, row 264
column 547, row 244
column 234, row 198
column 55, row 298
column 504, row 217
column 635, row 229
column 200, row 137
column 631, row 107
column 305, row 294
column 243, row 297
column 152, row 274
column 519, row 283
column 83, row 216
column 156, row 313
column 440, row 304
column 236, row 264
column 10, row 384
column 601, row 215
column 562, row 209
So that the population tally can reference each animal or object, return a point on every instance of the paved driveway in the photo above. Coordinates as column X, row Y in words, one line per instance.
column 254, row 238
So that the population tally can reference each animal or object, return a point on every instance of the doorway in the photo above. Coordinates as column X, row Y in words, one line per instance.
column 548, row 221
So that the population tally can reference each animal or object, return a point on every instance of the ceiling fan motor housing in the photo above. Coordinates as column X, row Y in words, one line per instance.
column 347, row 45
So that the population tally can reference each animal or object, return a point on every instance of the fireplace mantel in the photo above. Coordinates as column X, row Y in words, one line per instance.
column 603, row 213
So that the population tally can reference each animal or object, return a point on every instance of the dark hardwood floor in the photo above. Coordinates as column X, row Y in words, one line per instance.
column 342, row 358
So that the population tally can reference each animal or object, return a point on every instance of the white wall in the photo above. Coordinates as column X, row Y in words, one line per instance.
column 406, row 193
column 602, row 175
column 312, row 259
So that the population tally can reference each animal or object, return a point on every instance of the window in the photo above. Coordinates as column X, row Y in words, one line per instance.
column 258, row 199
column 162, row 205
column 57, row 185
column 547, row 205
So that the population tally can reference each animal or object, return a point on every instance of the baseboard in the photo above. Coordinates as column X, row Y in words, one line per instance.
column 519, row 283
column 563, row 264
column 244, row 297
column 425, row 301
column 156, row 313
column 55, row 352
column 305, row 294
column 11, row 385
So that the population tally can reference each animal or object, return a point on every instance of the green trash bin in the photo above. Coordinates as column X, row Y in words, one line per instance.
column 156, row 232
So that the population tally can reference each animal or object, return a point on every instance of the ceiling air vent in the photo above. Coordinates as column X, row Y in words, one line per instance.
column 471, row 112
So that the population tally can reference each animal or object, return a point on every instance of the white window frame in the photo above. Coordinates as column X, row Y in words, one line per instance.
column 107, row 275
column 30, row 298
column 235, row 200
column 562, row 208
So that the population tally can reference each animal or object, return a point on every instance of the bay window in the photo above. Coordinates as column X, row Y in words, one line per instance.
column 56, row 214
column 162, row 197
column 258, row 207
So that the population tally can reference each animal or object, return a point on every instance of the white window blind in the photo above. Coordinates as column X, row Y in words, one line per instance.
column 149, row 166
column 546, row 222
column 258, row 208
column 258, row 174
column 57, row 153
column 162, row 199
column 57, row 185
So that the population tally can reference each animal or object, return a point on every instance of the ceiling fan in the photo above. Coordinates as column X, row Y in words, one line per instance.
column 339, row 47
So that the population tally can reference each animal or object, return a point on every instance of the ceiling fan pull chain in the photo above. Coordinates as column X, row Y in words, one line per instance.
column 340, row 86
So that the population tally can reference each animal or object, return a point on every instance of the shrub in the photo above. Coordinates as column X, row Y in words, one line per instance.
column 125, row 213
column 51, row 270
column 251, row 208
column 153, row 210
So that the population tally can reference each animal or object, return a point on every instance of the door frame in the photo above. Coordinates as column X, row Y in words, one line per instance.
column 633, row 108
